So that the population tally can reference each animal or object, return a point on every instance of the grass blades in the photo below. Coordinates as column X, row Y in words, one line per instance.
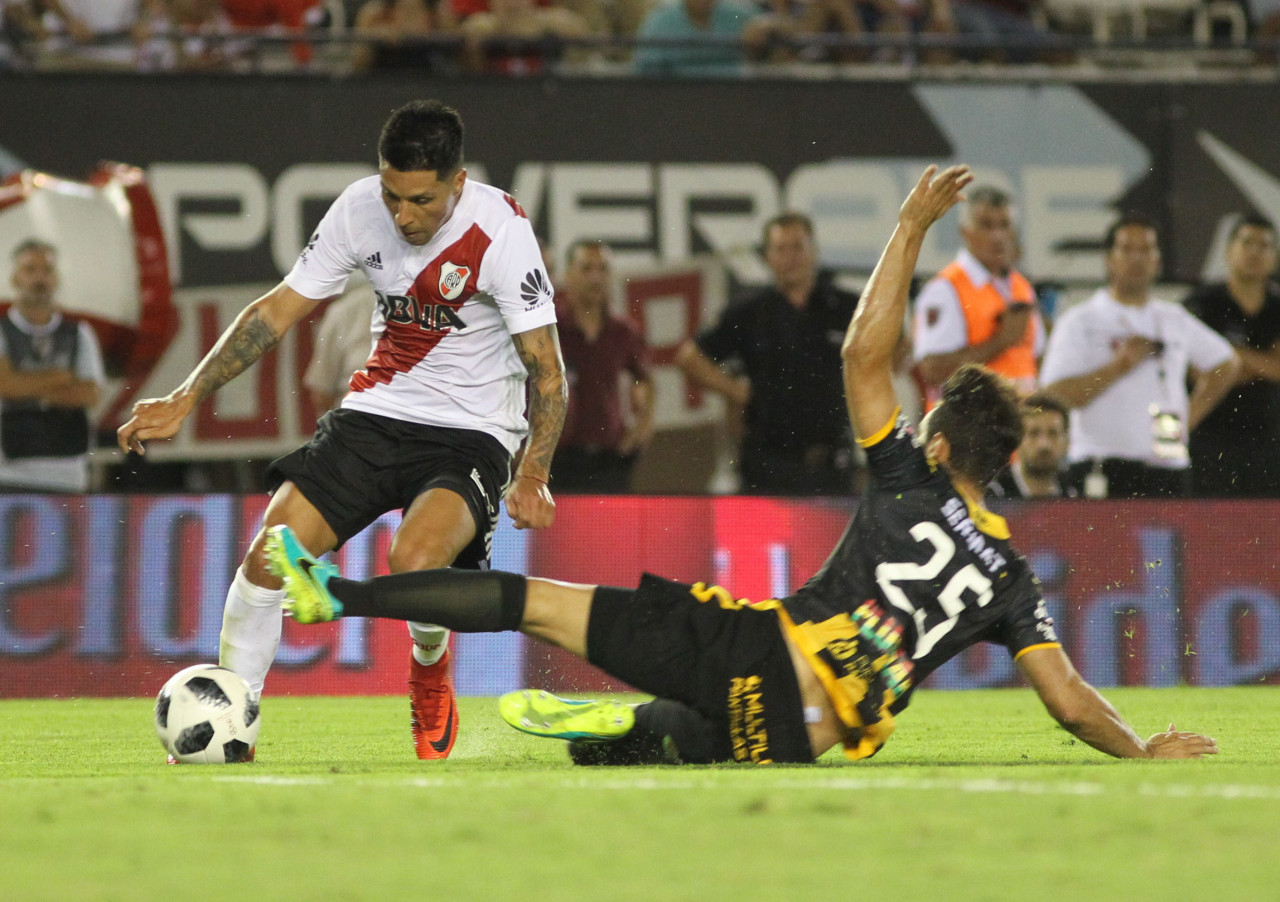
column 978, row 796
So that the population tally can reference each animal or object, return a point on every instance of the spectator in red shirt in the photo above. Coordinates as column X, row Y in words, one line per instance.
column 598, row 446
column 516, row 37
column 293, row 15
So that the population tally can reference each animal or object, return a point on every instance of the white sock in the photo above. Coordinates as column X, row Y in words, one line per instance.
column 251, row 627
column 430, row 642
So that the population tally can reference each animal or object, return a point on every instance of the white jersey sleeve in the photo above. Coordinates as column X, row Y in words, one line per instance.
column 513, row 274
column 940, row 326
column 329, row 257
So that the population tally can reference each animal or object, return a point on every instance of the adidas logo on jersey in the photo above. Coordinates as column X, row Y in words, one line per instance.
column 535, row 289
column 374, row 260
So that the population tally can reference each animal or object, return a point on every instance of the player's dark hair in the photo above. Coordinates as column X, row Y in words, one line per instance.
column 1043, row 402
column 422, row 136
column 1252, row 221
column 979, row 415
column 787, row 218
column 33, row 244
column 1124, row 222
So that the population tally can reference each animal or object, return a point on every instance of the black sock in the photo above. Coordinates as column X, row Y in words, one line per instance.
column 467, row 601
column 698, row 739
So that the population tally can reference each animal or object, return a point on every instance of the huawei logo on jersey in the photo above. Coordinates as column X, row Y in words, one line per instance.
column 453, row 279
column 535, row 289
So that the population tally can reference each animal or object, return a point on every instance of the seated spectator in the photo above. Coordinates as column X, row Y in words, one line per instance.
column 106, row 33
column 933, row 18
column 1264, row 20
column 625, row 17
column 283, row 15
column 1001, row 22
column 20, row 30
column 708, row 19
column 1037, row 469
column 514, row 36
column 190, row 35
column 807, row 19
column 396, row 28
column 598, row 446
column 1233, row 453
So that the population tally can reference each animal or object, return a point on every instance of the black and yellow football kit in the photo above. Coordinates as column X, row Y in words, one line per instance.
column 920, row 574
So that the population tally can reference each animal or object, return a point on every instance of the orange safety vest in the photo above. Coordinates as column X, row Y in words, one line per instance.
column 982, row 307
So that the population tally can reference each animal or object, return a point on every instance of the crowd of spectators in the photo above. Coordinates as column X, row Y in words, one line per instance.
column 522, row 37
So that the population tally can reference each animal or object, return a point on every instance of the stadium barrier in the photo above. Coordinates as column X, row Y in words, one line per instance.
column 109, row 595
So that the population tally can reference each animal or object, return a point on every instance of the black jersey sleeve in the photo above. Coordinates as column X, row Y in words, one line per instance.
column 1028, row 624
column 894, row 456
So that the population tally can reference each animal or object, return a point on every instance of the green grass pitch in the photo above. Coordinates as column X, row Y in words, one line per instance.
column 978, row 796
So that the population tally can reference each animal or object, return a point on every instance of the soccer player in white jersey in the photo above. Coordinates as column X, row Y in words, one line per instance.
column 435, row 420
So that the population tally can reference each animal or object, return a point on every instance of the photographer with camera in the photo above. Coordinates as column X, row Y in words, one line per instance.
column 1121, row 361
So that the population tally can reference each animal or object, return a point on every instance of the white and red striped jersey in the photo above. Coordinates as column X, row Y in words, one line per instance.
column 446, row 311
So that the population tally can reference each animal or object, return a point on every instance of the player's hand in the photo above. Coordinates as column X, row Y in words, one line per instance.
column 1176, row 744
column 153, row 418
column 1133, row 350
column 1013, row 325
column 935, row 194
column 529, row 503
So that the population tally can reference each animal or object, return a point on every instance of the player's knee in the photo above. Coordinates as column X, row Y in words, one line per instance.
column 426, row 554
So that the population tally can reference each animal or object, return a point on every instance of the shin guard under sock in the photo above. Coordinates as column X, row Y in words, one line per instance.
column 467, row 601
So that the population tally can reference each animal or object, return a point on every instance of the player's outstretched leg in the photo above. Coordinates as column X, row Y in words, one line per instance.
column 306, row 578
column 599, row 731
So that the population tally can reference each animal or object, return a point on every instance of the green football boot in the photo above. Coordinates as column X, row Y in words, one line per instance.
column 543, row 714
column 306, row 578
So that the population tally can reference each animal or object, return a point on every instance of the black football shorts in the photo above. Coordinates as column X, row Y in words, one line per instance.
column 360, row 465
column 730, row 664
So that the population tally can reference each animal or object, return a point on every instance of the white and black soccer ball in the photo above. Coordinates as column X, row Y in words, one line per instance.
column 206, row 715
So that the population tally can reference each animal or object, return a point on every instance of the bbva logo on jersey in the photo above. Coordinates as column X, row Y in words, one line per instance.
column 453, row 279
column 399, row 308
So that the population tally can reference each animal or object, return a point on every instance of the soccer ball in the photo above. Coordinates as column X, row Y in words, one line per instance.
column 206, row 715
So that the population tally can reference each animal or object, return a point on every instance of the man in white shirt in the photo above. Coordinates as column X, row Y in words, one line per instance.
column 980, row 309
column 1121, row 361
column 51, row 373
column 433, row 423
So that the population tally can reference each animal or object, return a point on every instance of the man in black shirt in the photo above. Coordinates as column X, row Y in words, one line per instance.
column 1233, row 450
column 922, row 572
column 786, row 339
column 1037, row 471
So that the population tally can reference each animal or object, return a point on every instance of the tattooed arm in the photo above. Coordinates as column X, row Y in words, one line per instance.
column 257, row 329
column 529, row 500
